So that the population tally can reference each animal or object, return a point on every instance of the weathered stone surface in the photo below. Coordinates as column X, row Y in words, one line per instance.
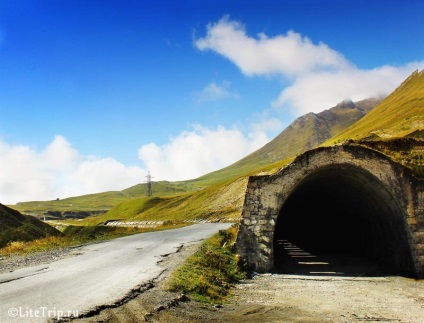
column 265, row 196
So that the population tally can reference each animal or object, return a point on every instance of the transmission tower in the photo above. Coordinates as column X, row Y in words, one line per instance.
column 149, row 184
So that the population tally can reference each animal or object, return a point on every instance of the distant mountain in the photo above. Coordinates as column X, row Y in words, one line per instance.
column 310, row 130
column 15, row 226
column 304, row 133
column 399, row 115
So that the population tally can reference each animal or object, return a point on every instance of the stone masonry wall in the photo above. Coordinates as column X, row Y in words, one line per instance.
column 265, row 195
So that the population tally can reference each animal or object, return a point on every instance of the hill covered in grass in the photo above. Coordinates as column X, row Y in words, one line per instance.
column 218, row 202
column 101, row 202
column 15, row 226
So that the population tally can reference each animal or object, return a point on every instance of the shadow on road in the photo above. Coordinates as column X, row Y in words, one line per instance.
column 293, row 260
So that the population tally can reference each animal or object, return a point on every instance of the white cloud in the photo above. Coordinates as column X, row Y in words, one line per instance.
column 105, row 174
column 58, row 171
column 200, row 151
column 316, row 92
column 216, row 92
column 320, row 76
column 264, row 126
column 290, row 54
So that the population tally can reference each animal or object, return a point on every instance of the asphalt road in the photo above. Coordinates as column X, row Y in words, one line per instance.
column 102, row 275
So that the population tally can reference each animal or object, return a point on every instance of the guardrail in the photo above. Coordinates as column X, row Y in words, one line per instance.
column 151, row 224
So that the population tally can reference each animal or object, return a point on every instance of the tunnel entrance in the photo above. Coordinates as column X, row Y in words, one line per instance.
column 342, row 215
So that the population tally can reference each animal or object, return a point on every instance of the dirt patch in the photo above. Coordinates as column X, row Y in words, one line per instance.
column 291, row 298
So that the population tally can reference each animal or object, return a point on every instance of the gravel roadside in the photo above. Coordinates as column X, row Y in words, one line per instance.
column 14, row 262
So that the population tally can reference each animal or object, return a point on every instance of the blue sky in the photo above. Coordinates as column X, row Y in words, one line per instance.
column 95, row 93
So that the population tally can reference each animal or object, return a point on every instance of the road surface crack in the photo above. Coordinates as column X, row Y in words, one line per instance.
column 38, row 271
column 133, row 293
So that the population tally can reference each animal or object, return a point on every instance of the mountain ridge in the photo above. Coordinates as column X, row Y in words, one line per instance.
column 304, row 133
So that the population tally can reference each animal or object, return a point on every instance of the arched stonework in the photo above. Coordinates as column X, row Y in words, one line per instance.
column 380, row 179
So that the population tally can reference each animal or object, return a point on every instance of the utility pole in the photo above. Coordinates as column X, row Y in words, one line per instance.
column 149, row 184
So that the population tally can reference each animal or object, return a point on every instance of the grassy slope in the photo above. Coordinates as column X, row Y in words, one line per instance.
column 220, row 201
column 16, row 226
column 102, row 201
column 209, row 273
column 395, row 127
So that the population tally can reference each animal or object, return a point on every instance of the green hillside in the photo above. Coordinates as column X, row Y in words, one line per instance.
column 15, row 226
column 394, row 127
column 101, row 201
column 218, row 202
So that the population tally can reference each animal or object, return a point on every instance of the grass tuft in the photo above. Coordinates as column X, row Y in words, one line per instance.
column 210, row 272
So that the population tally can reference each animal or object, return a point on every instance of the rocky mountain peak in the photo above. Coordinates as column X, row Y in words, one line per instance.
column 346, row 104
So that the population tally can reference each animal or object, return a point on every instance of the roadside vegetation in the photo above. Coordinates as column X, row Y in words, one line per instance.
column 208, row 275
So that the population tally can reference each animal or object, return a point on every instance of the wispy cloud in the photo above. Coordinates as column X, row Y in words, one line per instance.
column 170, row 43
column 290, row 54
column 317, row 91
column 320, row 76
column 216, row 92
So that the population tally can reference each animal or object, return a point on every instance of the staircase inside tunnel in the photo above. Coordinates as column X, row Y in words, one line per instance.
column 341, row 220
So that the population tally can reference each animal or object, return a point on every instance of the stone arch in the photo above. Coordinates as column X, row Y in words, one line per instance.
column 387, row 192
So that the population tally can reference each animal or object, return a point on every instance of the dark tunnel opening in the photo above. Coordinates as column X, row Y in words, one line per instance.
column 342, row 212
